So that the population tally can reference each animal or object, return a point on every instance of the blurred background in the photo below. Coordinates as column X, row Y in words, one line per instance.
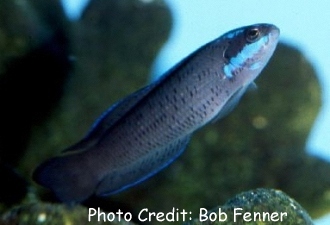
column 63, row 63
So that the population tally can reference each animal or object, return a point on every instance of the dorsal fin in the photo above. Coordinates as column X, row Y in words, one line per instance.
column 108, row 118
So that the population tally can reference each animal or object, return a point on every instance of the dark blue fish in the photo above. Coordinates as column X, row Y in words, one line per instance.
column 144, row 132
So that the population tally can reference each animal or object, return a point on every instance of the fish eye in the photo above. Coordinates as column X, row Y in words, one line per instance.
column 252, row 35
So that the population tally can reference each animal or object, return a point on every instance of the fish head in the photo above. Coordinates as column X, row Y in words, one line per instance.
column 247, row 51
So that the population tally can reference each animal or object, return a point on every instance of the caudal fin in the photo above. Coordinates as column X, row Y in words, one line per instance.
column 68, row 177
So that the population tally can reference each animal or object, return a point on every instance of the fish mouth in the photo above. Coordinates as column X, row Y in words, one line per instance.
column 274, row 33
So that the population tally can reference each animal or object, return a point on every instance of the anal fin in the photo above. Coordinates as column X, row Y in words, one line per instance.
column 142, row 169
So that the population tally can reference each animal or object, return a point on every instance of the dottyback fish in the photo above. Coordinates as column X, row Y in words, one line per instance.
column 143, row 133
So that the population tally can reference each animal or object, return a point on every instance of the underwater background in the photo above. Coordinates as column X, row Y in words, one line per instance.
column 58, row 75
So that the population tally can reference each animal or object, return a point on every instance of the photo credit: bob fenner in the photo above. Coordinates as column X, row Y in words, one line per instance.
column 182, row 215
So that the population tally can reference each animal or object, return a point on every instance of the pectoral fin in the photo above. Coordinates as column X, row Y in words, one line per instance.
column 233, row 101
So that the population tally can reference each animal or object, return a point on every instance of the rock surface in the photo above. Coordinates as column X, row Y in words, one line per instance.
column 260, row 206
column 50, row 214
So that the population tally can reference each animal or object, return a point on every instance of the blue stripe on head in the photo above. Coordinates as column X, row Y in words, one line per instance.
column 248, row 52
column 227, row 69
column 255, row 66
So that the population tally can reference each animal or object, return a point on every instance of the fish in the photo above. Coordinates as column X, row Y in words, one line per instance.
column 146, row 131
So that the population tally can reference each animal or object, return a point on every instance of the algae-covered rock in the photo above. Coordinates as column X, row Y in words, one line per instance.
column 52, row 214
column 260, row 206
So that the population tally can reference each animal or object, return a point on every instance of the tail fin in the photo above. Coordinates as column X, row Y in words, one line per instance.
column 69, row 177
